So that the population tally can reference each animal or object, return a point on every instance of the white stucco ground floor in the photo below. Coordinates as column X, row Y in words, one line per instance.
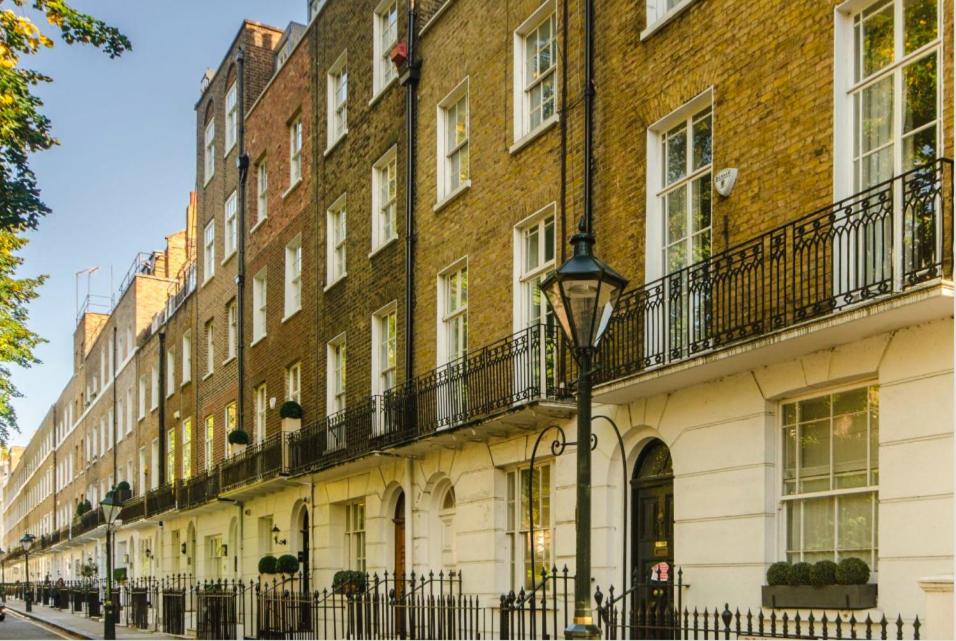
column 845, row 450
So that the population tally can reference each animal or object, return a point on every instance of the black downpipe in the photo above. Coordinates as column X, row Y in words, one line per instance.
column 562, row 229
column 411, row 84
column 588, row 105
column 161, row 402
column 243, row 163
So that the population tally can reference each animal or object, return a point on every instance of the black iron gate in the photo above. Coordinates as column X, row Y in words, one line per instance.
column 174, row 611
column 216, row 611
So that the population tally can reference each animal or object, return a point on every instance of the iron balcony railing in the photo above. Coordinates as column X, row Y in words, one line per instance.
column 133, row 509
column 500, row 377
column 159, row 500
column 257, row 462
column 143, row 263
column 883, row 241
column 88, row 521
column 202, row 488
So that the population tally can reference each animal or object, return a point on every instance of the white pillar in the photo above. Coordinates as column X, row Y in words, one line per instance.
column 939, row 607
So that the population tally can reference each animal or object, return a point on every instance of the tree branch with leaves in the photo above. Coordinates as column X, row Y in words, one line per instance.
column 25, row 130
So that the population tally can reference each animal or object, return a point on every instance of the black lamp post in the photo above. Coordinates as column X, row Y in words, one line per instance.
column 26, row 541
column 111, row 505
column 583, row 293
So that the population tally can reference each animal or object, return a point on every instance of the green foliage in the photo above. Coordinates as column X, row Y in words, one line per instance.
column 778, row 573
column 239, row 437
column 348, row 581
column 823, row 573
column 800, row 574
column 123, row 486
column 24, row 130
column 83, row 507
column 290, row 409
column 119, row 574
column 89, row 570
column 287, row 564
column 852, row 571
column 267, row 564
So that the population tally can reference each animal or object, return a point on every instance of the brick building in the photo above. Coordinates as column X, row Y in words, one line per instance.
column 783, row 215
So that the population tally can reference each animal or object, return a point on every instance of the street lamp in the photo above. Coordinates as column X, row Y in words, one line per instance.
column 26, row 541
column 111, row 505
column 583, row 293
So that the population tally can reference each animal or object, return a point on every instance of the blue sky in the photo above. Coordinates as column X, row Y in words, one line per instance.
column 121, row 177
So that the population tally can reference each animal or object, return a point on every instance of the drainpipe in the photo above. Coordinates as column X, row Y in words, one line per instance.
column 161, row 402
column 588, row 108
column 410, row 80
column 243, row 163
column 563, row 224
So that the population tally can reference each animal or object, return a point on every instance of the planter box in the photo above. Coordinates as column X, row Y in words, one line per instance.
column 829, row 597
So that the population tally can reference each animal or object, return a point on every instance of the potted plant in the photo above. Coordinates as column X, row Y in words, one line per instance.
column 348, row 582
column 290, row 409
column 287, row 564
column 825, row 585
column 119, row 575
column 82, row 508
column 267, row 564
column 239, row 438
column 123, row 491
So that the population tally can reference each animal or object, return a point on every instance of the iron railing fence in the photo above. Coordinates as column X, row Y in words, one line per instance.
column 219, row 608
column 542, row 610
column 257, row 462
column 88, row 521
column 882, row 241
column 133, row 509
column 431, row 606
column 143, row 263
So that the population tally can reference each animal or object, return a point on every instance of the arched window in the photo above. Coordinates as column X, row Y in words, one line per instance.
column 654, row 463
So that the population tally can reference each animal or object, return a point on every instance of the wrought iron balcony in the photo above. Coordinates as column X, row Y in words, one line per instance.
column 501, row 377
column 88, row 521
column 257, row 462
column 877, row 244
column 161, row 499
column 134, row 509
column 202, row 488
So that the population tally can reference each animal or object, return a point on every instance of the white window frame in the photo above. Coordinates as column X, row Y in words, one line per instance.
column 232, row 117
column 458, row 96
column 523, row 85
column 170, row 372
column 209, row 433
column 516, row 511
column 525, row 279
column 261, row 407
column 654, row 266
column 798, row 497
column 446, row 315
column 262, row 192
column 295, row 151
column 209, row 251
column 336, row 374
column 210, row 328
column 385, row 204
column 354, row 543
column 337, row 110
column 293, row 277
column 186, row 461
column 293, row 382
column 231, row 330
column 382, row 371
column 259, row 305
column 154, row 388
column 230, row 424
column 336, row 246
column 385, row 72
column 230, row 226
column 209, row 151
column 142, row 396
column 187, row 340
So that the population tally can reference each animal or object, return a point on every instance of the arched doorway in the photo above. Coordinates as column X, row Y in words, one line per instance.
column 303, row 537
column 652, row 536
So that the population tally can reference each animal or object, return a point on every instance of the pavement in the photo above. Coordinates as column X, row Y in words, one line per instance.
column 50, row 623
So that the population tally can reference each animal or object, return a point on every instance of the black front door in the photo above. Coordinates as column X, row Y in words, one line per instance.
column 653, row 544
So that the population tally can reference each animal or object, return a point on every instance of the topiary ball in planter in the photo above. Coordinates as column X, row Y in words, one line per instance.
column 800, row 574
column 348, row 582
column 290, row 409
column 823, row 573
column 287, row 564
column 267, row 564
column 239, row 437
column 852, row 571
column 778, row 573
